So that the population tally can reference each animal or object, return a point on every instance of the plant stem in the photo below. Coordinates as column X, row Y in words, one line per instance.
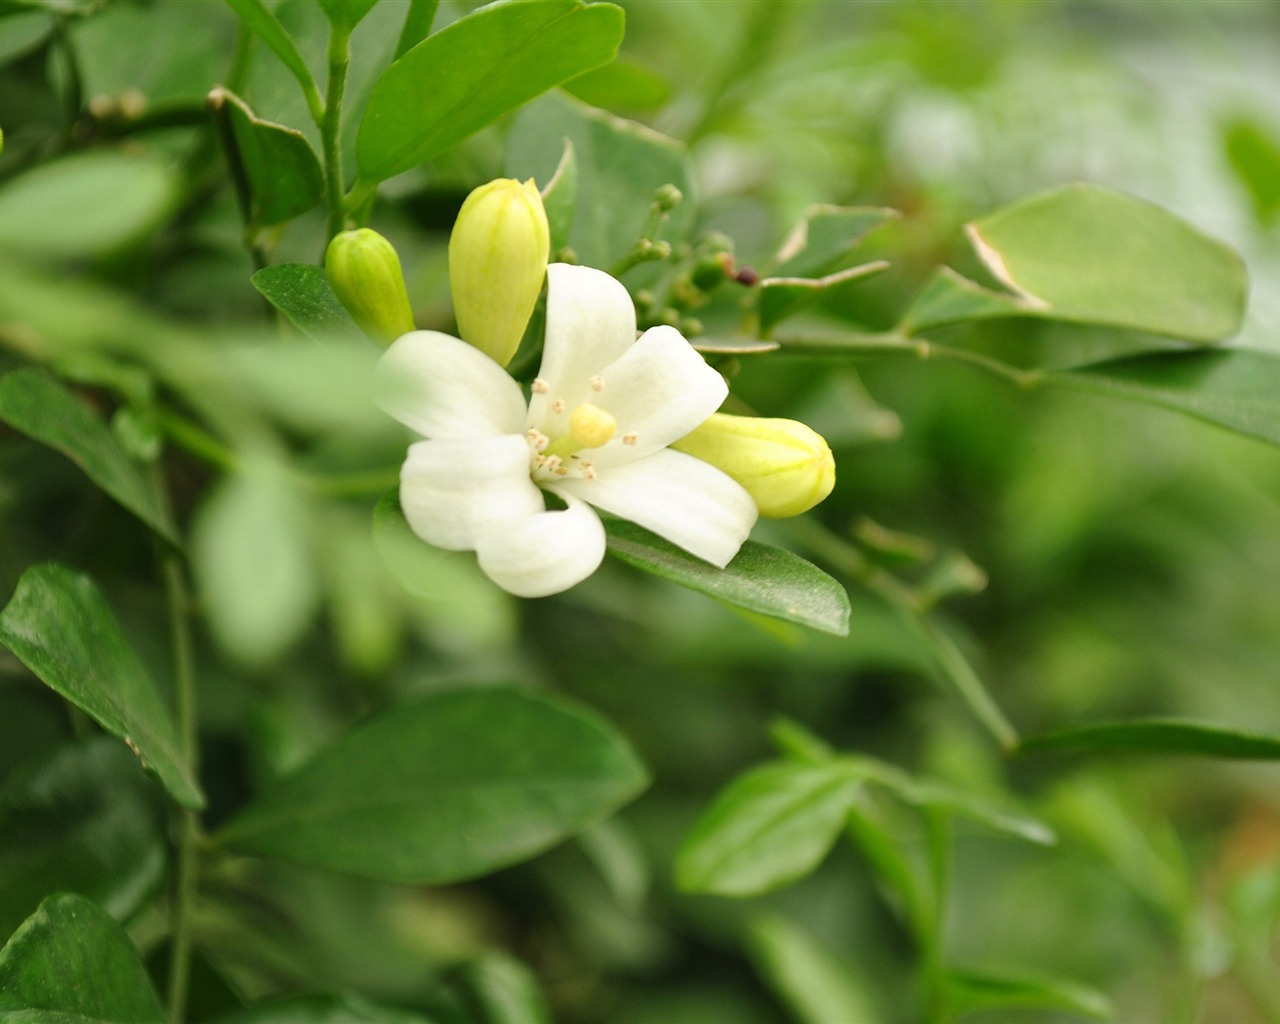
column 331, row 124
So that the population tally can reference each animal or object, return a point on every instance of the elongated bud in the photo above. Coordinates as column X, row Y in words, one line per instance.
column 365, row 274
column 785, row 466
column 497, row 261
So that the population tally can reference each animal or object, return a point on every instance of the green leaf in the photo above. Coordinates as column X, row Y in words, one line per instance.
column 70, row 958
column 502, row 990
column 781, row 297
column 560, row 198
column 1090, row 255
column 462, row 78
column 79, row 819
column 259, row 19
column 452, row 786
column 59, row 626
column 826, row 236
column 620, row 164
column 1236, row 388
column 622, row 85
column 1254, row 155
column 36, row 404
column 322, row 1010
column 760, row 578
column 302, row 293
column 346, row 14
column 949, row 298
column 816, row 988
column 769, row 828
column 84, row 204
column 252, row 558
column 970, row 991
column 284, row 176
column 1159, row 736
column 417, row 25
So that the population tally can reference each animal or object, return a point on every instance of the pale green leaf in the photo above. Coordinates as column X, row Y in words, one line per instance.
column 1160, row 736
column 302, row 293
column 971, row 991
column 816, row 987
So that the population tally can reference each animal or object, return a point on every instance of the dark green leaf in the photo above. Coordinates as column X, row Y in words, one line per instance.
column 449, row 787
column 781, row 297
column 346, row 14
column 502, row 990
column 33, row 402
column 769, row 828
column 84, row 204
column 760, row 578
column 260, row 20
column 70, row 958
column 457, row 81
column 816, row 988
column 970, row 991
column 620, row 164
column 302, row 293
column 826, row 236
column 1235, row 388
column 322, row 1010
column 1090, row 255
column 417, row 25
column 59, row 626
column 81, row 819
column 284, row 176
column 1159, row 736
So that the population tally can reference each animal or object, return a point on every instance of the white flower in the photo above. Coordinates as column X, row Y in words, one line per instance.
column 603, row 409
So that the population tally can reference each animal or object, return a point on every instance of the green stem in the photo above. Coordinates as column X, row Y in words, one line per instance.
column 331, row 124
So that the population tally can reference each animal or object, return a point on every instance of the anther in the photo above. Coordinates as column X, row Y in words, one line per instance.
column 557, row 405
column 630, row 437
column 597, row 383
column 537, row 439
column 539, row 386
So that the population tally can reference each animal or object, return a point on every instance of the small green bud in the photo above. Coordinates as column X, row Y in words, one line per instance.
column 365, row 274
column 785, row 466
column 667, row 198
column 497, row 262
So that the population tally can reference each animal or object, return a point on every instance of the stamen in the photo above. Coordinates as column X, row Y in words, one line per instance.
column 597, row 383
column 631, row 437
column 539, row 386
column 588, row 470
column 537, row 439
column 590, row 426
column 557, row 405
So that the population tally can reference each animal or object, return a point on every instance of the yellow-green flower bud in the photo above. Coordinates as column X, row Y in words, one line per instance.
column 365, row 274
column 785, row 466
column 497, row 260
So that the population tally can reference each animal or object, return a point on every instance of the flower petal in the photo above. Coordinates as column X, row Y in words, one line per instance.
column 453, row 492
column 590, row 322
column 544, row 553
column 687, row 501
column 658, row 391
column 443, row 388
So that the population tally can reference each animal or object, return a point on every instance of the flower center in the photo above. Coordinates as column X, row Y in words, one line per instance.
column 589, row 427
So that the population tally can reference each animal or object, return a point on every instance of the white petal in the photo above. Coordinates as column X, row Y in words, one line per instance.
column 659, row 390
column 455, row 491
column 544, row 553
column 443, row 388
column 590, row 323
column 687, row 501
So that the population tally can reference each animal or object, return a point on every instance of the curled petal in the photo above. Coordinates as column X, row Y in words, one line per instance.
column 590, row 323
column 658, row 391
column 687, row 501
column 544, row 553
column 454, row 492
column 443, row 388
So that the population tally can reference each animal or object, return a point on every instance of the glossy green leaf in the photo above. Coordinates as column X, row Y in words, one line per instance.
column 70, row 961
column 448, row 787
column 826, row 236
column 1090, row 255
column 252, row 559
column 462, row 78
column 259, row 19
column 760, row 578
column 322, row 1010
column 769, row 828
column 84, row 204
column 1160, row 736
column 80, row 819
column 621, row 85
column 417, row 25
column 346, row 14
column 620, row 164
column 40, row 407
column 60, row 626
column 970, row 991
column 302, row 293
column 811, row 982
column 949, row 298
column 1235, row 388
column 284, row 176
column 502, row 990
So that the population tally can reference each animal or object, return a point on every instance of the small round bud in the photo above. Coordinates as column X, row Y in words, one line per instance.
column 497, row 262
column 667, row 198
column 785, row 466
column 365, row 274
